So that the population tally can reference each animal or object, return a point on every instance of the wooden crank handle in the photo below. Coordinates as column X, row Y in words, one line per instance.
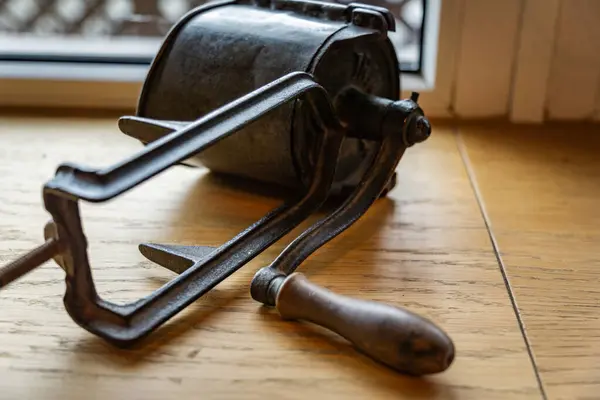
column 398, row 338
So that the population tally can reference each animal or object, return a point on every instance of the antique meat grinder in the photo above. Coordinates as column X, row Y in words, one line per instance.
column 297, row 93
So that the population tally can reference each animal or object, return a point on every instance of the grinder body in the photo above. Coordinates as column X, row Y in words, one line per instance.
column 224, row 50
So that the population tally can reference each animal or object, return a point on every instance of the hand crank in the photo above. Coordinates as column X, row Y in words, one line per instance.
column 345, row 132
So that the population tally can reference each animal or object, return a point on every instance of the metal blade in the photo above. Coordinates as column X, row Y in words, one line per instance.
column 174, row 257
column 148, row 130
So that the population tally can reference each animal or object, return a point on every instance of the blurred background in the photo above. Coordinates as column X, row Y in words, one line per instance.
column 85, row 29
column 525, row 61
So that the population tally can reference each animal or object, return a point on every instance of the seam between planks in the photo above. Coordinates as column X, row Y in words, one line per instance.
column 462, row 150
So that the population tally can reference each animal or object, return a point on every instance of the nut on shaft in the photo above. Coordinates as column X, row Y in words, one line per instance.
column 419, row 131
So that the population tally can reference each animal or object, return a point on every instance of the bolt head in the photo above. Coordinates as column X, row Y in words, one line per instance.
column 419, row 130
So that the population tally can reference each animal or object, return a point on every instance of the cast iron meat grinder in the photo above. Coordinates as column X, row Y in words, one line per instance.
column 297, row 93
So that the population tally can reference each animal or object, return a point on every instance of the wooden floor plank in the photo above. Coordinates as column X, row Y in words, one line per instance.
column 425, row 247
column 541, row 190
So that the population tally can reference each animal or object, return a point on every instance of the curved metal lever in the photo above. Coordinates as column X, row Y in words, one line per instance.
column 393, row 336
column 125, row 324
column 394, row 125
column 100, row 185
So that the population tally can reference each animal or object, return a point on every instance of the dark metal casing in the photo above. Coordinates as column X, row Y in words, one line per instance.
column 224, row 50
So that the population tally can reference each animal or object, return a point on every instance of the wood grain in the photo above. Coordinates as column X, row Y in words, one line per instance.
column 541, row 189
column 424, row 248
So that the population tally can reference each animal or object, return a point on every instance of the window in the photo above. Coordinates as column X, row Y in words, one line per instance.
column 115, row 41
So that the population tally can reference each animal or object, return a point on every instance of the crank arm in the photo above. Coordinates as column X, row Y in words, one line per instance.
column 66, row 242
column 398, row 338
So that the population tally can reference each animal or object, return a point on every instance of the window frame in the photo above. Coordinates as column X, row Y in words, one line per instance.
column 86, row 83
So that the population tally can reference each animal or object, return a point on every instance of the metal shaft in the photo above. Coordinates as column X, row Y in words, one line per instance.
column 28, row 262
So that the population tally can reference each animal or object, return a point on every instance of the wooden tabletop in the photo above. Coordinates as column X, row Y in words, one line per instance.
column 426, row 247
column 541, row 190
